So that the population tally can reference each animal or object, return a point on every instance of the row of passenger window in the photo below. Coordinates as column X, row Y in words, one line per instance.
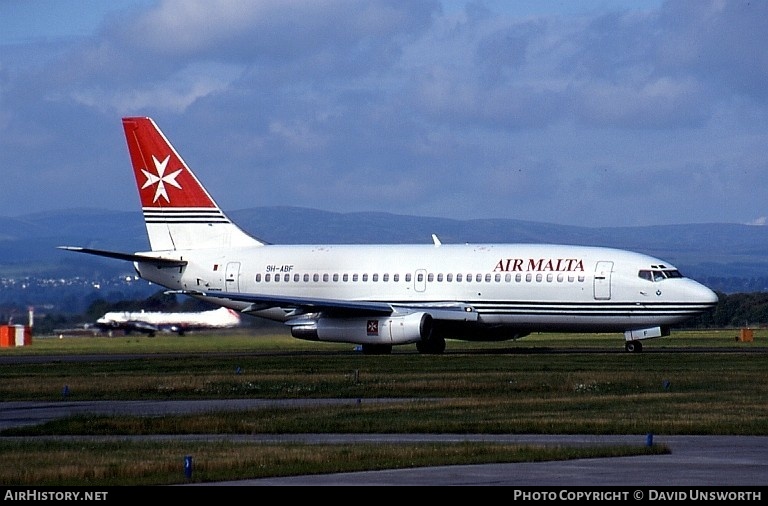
column 420, row 278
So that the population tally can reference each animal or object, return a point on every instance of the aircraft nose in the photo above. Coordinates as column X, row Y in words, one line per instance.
column 704, row 295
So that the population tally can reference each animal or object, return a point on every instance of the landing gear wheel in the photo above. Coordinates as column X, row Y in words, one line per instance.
column 377, row 349
column 431, row 346
column 633, row 346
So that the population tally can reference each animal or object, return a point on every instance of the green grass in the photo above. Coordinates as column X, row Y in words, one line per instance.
column 248, row 341
column 134, row 463
column 693, row 382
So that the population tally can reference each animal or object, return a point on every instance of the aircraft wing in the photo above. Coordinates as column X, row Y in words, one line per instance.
column 141, row 327
column 300, row 304
column 343, row 308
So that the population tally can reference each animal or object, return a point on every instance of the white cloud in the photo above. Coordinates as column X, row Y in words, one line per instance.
column 606, row 116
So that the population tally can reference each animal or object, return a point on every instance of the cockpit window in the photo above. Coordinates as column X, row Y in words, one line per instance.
column 659, row 274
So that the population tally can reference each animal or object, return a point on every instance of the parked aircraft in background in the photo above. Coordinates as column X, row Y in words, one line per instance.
column 151, row 322
column 378, row 296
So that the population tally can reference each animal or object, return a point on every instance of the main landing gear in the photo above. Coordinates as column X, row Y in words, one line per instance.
column 633, row 346
column 431, row 346
column 377, row 349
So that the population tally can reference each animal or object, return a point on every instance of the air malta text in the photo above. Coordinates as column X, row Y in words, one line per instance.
column 539, row 264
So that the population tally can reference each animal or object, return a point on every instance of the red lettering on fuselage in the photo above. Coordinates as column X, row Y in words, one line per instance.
column 539, row 264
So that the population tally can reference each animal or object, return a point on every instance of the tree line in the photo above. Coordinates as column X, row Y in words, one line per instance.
column 734, row 311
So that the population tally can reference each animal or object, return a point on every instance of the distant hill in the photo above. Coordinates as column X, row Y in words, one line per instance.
column 727, row 257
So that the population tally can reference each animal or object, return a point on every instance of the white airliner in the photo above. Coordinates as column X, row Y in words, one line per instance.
column 151, row 322
column 382, row 295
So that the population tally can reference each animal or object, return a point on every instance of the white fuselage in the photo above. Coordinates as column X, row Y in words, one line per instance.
column 520, row 286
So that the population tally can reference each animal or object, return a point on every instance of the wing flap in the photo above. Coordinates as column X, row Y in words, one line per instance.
column 453, row 311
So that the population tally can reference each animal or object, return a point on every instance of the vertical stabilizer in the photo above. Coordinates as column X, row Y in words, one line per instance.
column 178, row 211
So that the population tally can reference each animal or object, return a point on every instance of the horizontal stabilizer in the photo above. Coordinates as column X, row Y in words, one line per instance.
column 131, row 257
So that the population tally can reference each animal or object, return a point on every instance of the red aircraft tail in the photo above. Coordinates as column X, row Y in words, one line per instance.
column 178, row 211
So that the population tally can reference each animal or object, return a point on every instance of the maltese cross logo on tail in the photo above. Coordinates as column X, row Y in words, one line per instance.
column 161, row 179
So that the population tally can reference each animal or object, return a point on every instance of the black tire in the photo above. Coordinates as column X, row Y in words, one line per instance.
column 434, row 346
column 377, row 349
column 633, row 346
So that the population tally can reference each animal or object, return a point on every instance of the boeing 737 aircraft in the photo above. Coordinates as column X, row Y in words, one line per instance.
column 382, row 295
column 151, row 322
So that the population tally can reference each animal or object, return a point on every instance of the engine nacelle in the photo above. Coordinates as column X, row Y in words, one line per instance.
column 406, row 329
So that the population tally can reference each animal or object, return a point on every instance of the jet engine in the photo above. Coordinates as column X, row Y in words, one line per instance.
column 410, row 328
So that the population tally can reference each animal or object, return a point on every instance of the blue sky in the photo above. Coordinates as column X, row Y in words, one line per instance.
column 595, row 113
